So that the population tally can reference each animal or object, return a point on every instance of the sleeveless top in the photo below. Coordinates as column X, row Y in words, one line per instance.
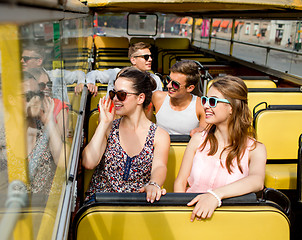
column 208, row 173
column 117, row 172
column 177, row 122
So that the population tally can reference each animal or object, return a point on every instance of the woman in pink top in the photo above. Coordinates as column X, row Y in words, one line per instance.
column 224, row 160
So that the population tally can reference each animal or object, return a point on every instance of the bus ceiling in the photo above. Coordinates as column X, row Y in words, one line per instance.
column 201, row 8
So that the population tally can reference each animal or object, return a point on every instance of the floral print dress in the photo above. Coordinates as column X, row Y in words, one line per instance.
column 117, row 172
column 41, row 164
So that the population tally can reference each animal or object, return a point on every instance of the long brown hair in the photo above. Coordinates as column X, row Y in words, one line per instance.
column 239, row 124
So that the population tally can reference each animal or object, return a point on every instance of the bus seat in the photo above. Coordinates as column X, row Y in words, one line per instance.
column 102, row 91
column 151, row 41
column 172, row 43
column 112, row 62
column 127, row 219
column 92, row 125
column 167, row 54
column 111, row 42
column 176, row 153
column 254, row 83
column 260, row 83
column 279, row 128
column 179, row 57
column 281, row 176
column 89, row 42
column 273, row 96
column 164, row 44
column 111, row 52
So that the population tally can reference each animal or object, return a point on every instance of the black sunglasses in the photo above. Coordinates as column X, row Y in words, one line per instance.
column 30, row 94
column 121, row 95
column 146, row 56
column 175, row 84
column 43, row 85
column 26, row 58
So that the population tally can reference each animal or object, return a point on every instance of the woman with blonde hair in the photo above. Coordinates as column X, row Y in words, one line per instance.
column 224, row 160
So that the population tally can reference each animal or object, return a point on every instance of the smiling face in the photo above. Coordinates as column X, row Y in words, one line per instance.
column 219, row 114
column 132, row 99
column 139, row 61
column 181, row 80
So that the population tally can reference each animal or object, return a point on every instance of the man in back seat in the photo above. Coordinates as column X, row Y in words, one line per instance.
column 140, row 57
column 178, row 111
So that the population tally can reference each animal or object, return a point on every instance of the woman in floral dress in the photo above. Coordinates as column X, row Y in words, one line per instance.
column 130, row 153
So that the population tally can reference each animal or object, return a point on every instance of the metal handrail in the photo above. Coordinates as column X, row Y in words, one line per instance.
column 254, row 45
column 268, row 48
column 67, row 205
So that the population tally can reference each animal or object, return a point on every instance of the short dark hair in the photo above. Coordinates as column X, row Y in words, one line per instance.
column 188, row 68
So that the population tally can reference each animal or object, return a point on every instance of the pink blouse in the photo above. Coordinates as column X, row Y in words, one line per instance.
column 207, row 173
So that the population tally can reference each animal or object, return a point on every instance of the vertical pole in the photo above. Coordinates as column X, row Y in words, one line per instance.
column 232, row 37
column 193, row 30
column 210, row 33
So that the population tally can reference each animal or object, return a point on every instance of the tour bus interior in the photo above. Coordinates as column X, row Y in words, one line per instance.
column 259, row 42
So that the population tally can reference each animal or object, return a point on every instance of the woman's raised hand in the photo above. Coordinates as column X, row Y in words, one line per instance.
column 107, row 110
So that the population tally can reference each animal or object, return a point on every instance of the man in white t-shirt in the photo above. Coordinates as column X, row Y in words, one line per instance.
column 140, row 57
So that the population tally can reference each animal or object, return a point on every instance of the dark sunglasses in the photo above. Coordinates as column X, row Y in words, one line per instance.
column 43, row 85
column 146, row 56
column 26, row 58
column 212, row 101
column 30, row 94
column 121, row 95
column 175, row 84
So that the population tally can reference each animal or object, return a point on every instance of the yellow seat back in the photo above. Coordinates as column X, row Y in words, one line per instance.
column 102, row 91
column 173, row 222
column 274, row 96
column 279, row 131
column 92, row 125
column 257, row 83
column 111, row 42
column 142, row 39
column 174, row 161
column 166, row 44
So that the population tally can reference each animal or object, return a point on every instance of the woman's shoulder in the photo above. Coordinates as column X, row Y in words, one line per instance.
column 200, row 135
column 161, row 135
column 257, row 148
column 198, row 138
